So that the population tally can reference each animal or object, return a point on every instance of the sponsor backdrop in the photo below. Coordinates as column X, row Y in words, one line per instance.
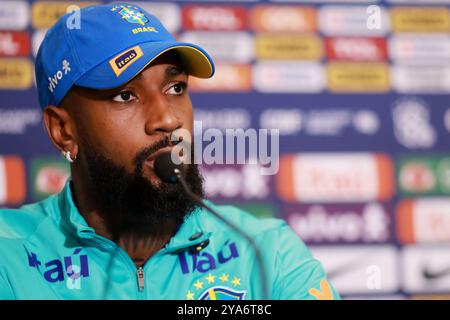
column 360, row 91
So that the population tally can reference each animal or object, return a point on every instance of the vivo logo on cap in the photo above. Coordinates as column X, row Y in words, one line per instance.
column 54, row 80
column 123, row 60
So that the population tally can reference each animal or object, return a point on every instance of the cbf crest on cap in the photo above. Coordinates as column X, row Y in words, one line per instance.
column 131, row 14
column 112, row 45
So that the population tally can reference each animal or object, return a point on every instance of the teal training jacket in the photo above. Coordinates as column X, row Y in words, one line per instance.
column 48, row 251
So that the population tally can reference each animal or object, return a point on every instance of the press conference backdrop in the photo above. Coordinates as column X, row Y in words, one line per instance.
column 360, row 93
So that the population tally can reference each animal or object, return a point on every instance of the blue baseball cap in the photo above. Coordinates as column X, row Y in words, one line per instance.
column 109, row 46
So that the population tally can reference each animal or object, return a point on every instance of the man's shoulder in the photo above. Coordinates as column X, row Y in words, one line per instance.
column 20, row 223
column 245, row 220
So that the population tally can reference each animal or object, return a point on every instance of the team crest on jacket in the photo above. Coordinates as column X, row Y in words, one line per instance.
column 214, row 287
column 131, row 14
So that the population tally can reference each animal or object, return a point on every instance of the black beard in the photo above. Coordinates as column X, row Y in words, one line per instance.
column 131, row 205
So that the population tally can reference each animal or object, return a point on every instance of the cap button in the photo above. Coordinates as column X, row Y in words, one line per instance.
column 195, row 236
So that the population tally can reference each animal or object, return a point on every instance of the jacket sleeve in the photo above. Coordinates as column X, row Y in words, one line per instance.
column 5, row 288
column 299, row 275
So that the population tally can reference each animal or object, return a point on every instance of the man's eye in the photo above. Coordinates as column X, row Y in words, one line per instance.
column 177, row 89
column 125, row 96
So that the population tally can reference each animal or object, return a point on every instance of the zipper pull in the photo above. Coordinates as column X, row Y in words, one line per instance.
column 140, row 278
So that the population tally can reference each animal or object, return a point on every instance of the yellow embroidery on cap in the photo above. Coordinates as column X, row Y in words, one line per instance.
column 143, row 29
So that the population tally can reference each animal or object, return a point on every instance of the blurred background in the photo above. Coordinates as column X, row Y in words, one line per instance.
column 360, row 93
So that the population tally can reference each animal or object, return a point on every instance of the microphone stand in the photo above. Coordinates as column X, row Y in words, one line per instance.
column 230, row 224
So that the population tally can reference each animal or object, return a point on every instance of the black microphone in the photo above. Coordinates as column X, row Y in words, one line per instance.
column 170, row 172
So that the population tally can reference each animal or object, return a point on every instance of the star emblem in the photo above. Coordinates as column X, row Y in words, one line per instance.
column 198, row 285
column 224, row 277
column 209, row 288
column 236, row 281
column 190, row 295
column 210, row 278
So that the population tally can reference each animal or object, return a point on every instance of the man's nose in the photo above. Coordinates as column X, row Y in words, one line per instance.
column 161, row 117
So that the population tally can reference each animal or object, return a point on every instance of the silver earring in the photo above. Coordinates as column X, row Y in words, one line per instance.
column 68, row 157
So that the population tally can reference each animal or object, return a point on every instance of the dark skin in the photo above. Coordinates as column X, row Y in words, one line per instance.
column 119, row 123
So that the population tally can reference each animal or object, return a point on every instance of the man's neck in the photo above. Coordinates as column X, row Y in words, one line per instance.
column 139, row 248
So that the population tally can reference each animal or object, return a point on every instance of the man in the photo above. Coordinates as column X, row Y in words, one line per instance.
column 114, row 92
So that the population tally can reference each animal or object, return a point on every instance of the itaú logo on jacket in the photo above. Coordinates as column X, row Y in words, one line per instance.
column 204, row 261
column 70, row 268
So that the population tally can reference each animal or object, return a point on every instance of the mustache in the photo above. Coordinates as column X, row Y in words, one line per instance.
column 143, row 155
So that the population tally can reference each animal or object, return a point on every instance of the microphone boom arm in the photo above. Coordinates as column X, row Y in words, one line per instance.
column 233, row 226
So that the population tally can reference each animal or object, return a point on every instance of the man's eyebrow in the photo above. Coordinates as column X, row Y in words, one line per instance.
column 174, row 71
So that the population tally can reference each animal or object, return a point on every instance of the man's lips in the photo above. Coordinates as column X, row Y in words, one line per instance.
column 151, row 160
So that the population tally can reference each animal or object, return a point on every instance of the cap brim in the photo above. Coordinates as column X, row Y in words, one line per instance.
column 195, row 60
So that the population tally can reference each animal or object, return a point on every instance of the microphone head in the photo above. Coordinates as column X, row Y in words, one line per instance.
column 166, row 170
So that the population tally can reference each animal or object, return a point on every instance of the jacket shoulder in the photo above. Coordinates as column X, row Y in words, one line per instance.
column 22, row 222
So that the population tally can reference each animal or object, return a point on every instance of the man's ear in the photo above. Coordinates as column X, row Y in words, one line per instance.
column 61, row 129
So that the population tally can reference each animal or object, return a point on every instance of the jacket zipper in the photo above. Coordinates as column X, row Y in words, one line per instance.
column 139, row 271
column 140, row 278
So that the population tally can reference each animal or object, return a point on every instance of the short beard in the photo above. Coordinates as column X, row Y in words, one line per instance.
column 130, row 204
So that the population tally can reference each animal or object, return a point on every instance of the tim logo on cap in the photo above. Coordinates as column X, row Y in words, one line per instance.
column 125, row 59
column 131, row 14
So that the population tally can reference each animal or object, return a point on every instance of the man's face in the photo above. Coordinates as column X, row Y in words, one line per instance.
column 119, row 134
column 120, row 123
